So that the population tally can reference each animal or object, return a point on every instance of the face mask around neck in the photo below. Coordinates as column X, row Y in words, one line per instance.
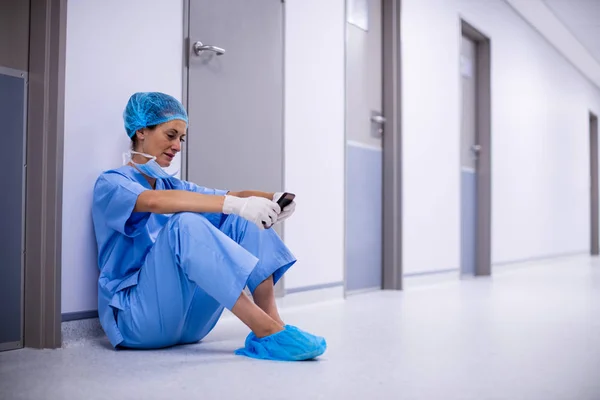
column 150, row 168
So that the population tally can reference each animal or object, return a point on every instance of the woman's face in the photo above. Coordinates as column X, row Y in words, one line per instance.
column 163, row 142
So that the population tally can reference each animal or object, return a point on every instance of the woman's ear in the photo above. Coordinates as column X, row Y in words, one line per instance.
column 140, row 134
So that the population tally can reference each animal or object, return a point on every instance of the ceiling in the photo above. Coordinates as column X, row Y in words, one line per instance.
column 582, row 18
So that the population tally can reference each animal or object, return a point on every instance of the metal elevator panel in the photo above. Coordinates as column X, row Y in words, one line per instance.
column 13, row 114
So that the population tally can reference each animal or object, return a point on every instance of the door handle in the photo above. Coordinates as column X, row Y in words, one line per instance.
column 378, row 119
column 200, row 48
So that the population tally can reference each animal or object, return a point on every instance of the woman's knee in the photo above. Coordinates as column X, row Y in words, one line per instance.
column 237, row 221
column 189, row 220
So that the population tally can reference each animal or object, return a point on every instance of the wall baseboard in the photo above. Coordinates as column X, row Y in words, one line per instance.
column 363, row 291
column 79, row 327
column 429, row 273
column 74, row 316
column 542, row 258
column 428, row 278
column 312, row 288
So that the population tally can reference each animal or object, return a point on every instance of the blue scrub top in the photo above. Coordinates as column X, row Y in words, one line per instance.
column 125, row 237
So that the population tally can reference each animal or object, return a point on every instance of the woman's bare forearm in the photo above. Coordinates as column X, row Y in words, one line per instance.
column 252, row 193
column 174, row 201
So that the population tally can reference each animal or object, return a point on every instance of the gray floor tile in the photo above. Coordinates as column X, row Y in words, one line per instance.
column 530, row 332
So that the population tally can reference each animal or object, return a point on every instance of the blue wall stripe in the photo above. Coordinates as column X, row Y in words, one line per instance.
column 468, row 222
column 363, row 217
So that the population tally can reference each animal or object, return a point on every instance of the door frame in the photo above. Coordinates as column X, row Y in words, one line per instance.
column 391, row 246
column 44, row 174
column 186, row 52
column 392, row 274
column 594, row 207
column 483, row 266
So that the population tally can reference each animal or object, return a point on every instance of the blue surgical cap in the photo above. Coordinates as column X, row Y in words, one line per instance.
column 151, row 108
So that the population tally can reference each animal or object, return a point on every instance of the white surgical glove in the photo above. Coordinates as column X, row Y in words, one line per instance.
column 255, row 209
column 287, row 210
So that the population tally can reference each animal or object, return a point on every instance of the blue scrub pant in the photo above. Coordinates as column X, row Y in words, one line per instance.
column 194, row 271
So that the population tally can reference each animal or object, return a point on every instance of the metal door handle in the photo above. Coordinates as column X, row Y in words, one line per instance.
column 378, row 119
column 200, row 48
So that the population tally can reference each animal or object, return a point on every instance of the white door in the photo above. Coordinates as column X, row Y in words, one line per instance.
column 364, row 127
column 235, row 99
column 235, row 96
column 469, row 152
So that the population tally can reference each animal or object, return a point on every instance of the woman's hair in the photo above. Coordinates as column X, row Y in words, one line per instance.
column 134, row 139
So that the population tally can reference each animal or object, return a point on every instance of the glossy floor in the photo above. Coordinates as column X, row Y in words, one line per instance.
column 530, row 332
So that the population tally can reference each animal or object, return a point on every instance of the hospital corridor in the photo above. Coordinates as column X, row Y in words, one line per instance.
column 300, row 199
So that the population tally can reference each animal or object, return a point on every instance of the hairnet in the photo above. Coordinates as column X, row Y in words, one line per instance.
column 151, row 108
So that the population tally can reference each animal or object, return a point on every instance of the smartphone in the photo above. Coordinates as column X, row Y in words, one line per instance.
column 285, row 200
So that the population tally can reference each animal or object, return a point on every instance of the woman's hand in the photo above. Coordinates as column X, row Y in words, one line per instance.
column 287, row 210
column 259, row 210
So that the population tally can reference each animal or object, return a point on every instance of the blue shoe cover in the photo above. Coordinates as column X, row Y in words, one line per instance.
column 290, row 344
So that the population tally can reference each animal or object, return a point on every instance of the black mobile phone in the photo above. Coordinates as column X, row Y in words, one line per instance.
column 285, row 200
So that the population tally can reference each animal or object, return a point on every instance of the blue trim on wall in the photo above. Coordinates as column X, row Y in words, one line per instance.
column 548, row 257
column 314, row 287
column 434, row 272
column 468, row 222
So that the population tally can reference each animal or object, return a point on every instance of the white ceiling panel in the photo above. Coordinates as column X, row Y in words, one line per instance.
column 582, row 18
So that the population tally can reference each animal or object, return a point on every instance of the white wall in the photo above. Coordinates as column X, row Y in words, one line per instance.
column 540, row 155
column 314, row 139
column 540, row 160
column 114, row 48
